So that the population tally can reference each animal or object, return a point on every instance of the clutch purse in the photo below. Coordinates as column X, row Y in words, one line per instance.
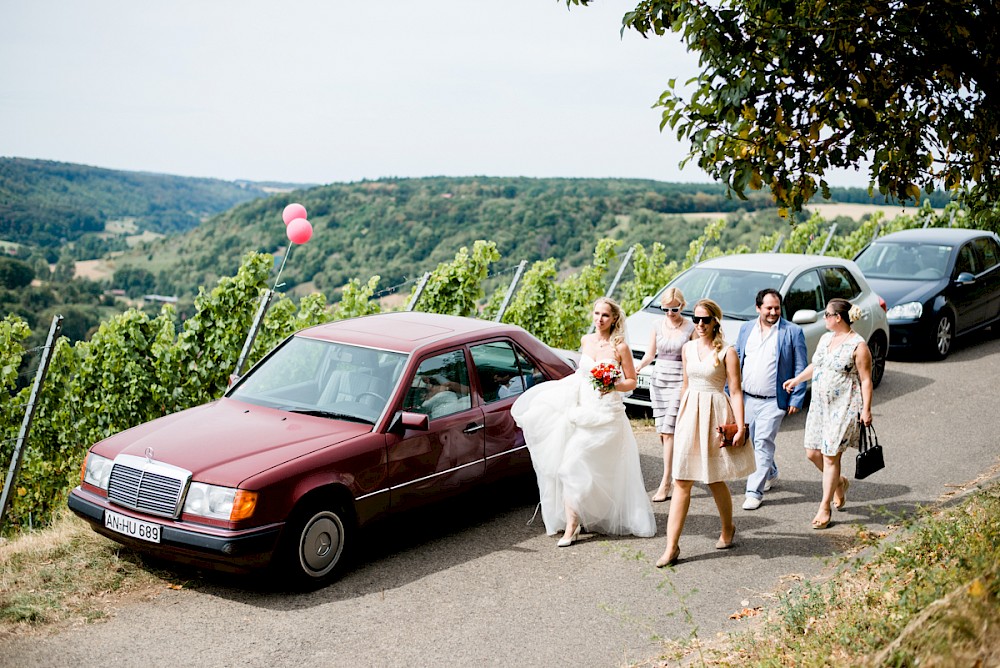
column 728, row 431
column 869, row 458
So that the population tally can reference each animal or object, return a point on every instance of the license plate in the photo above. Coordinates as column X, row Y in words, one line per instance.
column 642, row 382
column 130, row 526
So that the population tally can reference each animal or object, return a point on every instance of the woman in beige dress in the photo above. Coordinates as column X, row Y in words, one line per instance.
column 699, row 455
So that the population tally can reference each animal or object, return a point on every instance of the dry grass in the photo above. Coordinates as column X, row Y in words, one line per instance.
column 67, row 575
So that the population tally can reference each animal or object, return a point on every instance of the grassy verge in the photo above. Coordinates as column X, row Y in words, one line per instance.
column 927, row 594
column 67, row 574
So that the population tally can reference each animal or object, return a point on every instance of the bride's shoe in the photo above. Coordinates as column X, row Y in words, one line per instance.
column 567, row 541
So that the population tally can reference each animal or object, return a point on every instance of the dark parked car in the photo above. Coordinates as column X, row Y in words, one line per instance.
column 340, row 425
column 938, row 283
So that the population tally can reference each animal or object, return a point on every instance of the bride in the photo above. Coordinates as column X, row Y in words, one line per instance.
column 581, row 443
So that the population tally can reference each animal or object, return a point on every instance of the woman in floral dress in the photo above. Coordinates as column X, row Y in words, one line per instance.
column 841, row 371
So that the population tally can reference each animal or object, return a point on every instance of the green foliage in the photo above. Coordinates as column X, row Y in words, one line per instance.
column 455, row 287
column 791, row 90
column 356, row 299
column 402, row 228
column 15, row 273
column 650, row 273
column 48, row 204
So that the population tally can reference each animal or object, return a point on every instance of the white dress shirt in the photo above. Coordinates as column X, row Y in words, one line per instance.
column 760, row 361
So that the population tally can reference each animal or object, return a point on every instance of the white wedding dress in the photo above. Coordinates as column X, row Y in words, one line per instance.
column 584, row 452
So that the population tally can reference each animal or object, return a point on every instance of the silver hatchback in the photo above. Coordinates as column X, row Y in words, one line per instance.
column 806, row 284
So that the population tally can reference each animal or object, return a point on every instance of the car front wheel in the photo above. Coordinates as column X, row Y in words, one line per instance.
column 879, row 349
column 943, row 336
column 316, row 546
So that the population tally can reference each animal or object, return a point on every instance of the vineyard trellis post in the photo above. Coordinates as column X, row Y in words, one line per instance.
column 618, row 277
column 29, row 414
column 510, row 290
column 829, row 238
column 777, row 244
column 265, row 302
column 418, row 291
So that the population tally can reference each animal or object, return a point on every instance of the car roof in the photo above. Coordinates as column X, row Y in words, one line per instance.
column 771, row 262
column 936, row 235
column 405, row 331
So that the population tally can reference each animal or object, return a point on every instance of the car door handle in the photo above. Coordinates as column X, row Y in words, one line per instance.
column 473, row 428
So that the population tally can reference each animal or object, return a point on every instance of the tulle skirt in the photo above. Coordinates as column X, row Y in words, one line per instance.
column 584, row 454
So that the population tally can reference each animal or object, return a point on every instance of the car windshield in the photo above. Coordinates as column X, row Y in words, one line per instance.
column 902, row 261
column 734, row 290
column 323, row 378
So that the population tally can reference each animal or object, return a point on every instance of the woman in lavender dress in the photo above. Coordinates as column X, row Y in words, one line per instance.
column 665, row 344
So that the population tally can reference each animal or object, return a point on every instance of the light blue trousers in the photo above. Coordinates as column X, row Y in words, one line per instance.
column 764, row 418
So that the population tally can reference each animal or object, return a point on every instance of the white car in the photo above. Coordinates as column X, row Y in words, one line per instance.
column 806, row 284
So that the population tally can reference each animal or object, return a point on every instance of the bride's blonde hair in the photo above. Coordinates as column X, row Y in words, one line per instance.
column 718, row 340
column 617, row 334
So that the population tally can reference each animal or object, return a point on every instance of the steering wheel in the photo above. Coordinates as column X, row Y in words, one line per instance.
column 371, row 394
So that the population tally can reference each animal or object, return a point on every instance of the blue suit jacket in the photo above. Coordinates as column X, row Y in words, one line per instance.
column 792, row 359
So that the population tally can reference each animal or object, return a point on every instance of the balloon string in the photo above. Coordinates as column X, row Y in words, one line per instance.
column 282, row 267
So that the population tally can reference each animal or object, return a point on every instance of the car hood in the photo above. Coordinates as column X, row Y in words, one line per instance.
column 227, row 441
column 895, row 291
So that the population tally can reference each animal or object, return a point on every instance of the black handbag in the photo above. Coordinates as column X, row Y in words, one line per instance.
column 870, row 454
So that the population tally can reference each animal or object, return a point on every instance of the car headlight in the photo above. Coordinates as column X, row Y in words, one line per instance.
column 97, row 471
column 219, row 503
column 907, row 311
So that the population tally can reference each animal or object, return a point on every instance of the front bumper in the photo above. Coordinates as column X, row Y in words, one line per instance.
column 908, row 334
column 220, row 549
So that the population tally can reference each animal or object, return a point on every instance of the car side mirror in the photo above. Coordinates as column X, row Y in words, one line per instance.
column 965, row 278
column 404, row 420
column 646, row 300
column 805, row 316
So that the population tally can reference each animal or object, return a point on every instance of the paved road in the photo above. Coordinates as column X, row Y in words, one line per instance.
column 472, row 584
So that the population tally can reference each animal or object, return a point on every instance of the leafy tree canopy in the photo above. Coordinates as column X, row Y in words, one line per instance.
column 789, row 89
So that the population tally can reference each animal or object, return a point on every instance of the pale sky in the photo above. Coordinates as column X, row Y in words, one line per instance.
column 322, row 91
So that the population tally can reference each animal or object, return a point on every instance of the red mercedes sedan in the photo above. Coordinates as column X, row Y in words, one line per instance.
column 339, row 425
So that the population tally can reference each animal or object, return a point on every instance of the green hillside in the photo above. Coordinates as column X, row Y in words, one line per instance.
column 47, row 204
column 399, row 228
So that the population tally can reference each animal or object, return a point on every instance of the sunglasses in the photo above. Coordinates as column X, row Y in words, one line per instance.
column 670, row 309
column 698, row 319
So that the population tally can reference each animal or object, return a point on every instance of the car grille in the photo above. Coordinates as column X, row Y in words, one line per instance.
column 147, row 486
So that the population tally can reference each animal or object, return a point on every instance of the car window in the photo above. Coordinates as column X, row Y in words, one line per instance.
column 838, row 283
column 966, row 261
column 503, row 371
column 440, row 386
column 989, row 252
column 804, row 294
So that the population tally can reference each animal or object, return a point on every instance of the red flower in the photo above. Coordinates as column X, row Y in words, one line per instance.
column 604, row 376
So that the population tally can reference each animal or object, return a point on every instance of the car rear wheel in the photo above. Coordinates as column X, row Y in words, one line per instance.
column 316, row 546
column 943, row 336
column 879, row 349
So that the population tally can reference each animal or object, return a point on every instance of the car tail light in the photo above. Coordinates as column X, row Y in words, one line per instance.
column 881, row 302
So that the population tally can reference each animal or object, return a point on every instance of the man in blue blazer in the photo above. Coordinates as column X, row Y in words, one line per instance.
column 772, row 350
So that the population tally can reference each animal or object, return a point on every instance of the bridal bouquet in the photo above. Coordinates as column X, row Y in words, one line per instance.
column 604, row 376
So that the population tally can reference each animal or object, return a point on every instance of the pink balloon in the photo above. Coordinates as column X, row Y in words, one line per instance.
column 293, row 211
column 299, row 231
